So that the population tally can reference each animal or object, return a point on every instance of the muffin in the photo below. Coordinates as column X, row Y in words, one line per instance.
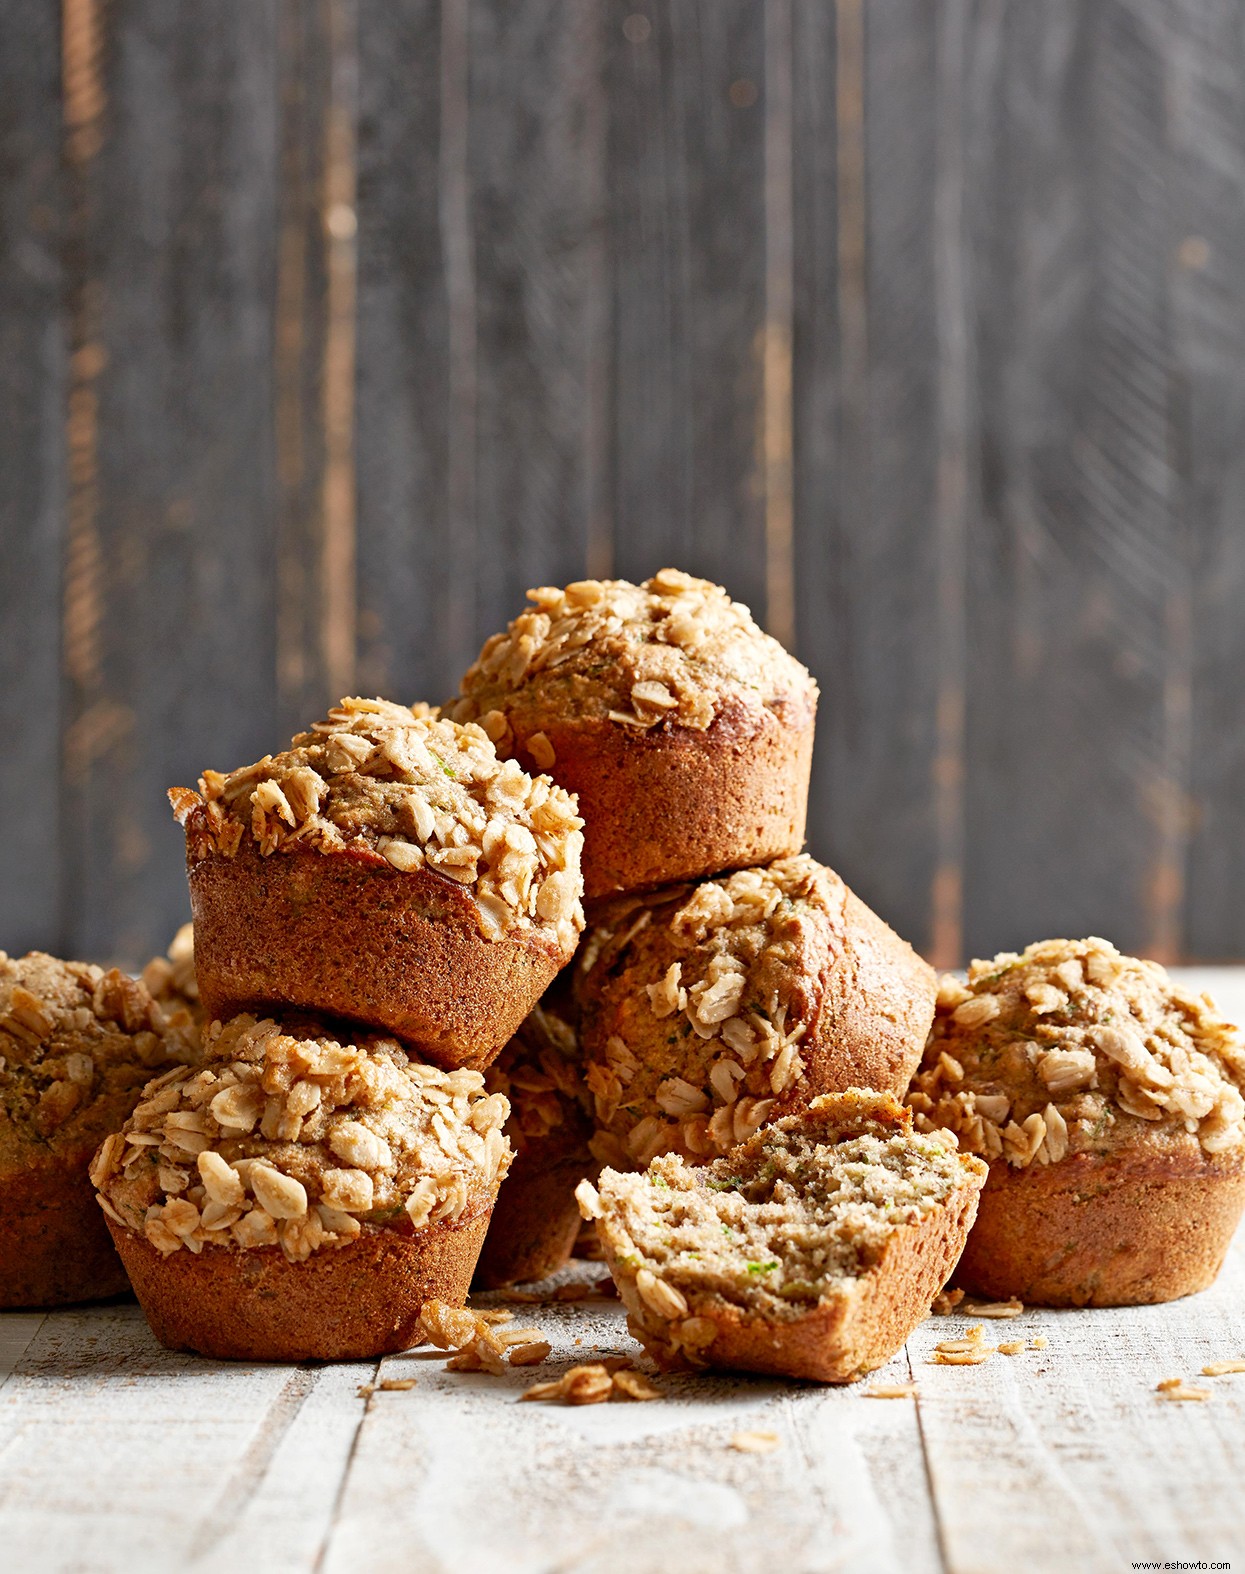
column 1107, row 1101
column 77, row 1045
column 301, row 1195
column 388, row 869
column 170, row 981
column 536, row 1220
column 710, row 1009
column 686, row 732
column 812, row 1250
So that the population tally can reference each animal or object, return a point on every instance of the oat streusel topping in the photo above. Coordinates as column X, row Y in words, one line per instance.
column 292, row 1139
column 1070, row 1047
column 671, row 650
column 704, row 1047
column 378, row 779
column 541, row 1073
column 76, row 1046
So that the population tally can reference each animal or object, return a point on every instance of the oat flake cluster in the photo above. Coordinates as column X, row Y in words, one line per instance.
column 669, row 650
column 72, row 1034
column 721, row 1011
column 540, row 1073
column 298, row 1142
column 1060, row 1049
column 415, row 790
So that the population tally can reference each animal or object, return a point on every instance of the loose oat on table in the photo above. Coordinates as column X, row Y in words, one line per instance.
column 1176, row 1388
column 412, row 791
column 711, row 1041
column 1011, row 1347
column 992, row 1309
column 891, row 1391
column 671, row 651
column 756, row 1442
column 1223, row 1368
column 296, row 1139
column 1070, row 1047
column 77, row 1044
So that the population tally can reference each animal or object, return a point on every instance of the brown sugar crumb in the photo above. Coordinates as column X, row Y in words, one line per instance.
column 993, row 1309
column 1223, row 1368
column 891, row 1391
column 946, row 1301
column 756, row 1442
column 1176, row 1389
column 1012, row 1347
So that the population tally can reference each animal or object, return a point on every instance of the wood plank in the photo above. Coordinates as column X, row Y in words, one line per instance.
column 1205, row 56
column 1067, row 1457
column 178, row 1473
column 33, row 386
column 537, row 179
column 1078, row 649
column 416, row 357
column 639, row 1486
column 315, row 371
column 687, row 243
column 170, row 621
column 866, row 442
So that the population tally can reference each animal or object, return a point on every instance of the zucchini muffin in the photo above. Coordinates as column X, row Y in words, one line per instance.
column 170, row 980
column 77, row 1044
column 1107, row 1101
column 686, row 732
column 812, row 1250
column 536, row 1220
column 300, row 1196
column 710, row 1009
column 388, row 868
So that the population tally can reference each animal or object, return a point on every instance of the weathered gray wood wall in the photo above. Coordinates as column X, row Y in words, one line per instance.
column 328, row 326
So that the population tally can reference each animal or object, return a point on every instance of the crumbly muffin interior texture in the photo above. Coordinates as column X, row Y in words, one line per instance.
column 779, row 1224
column 540, row 1072
column 1070, row 1047
column 696, row 1007
column 77, row 1043
column 294, row 1138
column 378, row 779
column 673, row 650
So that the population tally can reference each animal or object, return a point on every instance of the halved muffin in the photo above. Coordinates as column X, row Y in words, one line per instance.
column 388, row 868
column 1108, row 1102
column 536, row 1220
column 686, row 731
column 708, row 1010
column 302, row 1194
column 77, row 1045
column 812, row 1250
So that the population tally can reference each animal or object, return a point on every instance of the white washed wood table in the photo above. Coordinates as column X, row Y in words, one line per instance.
column 118, row 1455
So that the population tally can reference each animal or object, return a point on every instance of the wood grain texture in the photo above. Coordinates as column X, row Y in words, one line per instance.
column 416, row 351
column 33, row 386
column 1076, row 557
column 687, row 225
column 866, row 443
column 537, row 178
column 169, row 630
column 123, row 1455
column 1205, row 63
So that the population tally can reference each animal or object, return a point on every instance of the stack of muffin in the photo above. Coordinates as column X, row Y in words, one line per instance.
column 386, row 915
